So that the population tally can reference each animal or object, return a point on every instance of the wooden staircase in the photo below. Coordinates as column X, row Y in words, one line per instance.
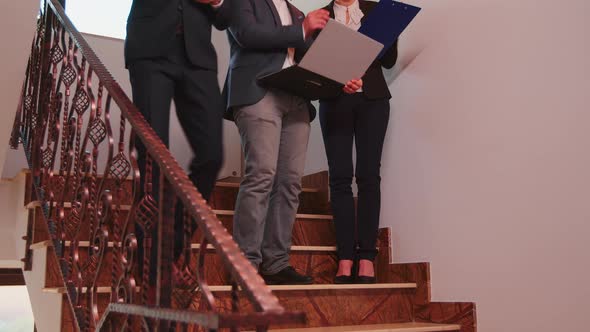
column 400, row 301
column 75, row 123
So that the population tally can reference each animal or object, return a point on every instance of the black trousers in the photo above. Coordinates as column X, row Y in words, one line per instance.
column 348, row 119
column 199, row 108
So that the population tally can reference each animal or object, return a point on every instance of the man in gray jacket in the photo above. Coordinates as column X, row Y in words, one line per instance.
column 266, row 36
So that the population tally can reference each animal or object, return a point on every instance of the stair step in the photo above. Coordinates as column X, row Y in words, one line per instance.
column 229, row 184
column 398, row 327
column 195, row 246
column 320, row 262
column 308, row 230
column 318, row 287
column 324, row 305
column 311, row 200
column 218, row 212
column 275, row 288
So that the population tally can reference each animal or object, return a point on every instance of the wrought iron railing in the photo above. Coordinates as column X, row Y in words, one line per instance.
column 79, row 131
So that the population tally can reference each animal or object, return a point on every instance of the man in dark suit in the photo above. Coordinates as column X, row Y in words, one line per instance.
column 266, row 36
column 169, row 54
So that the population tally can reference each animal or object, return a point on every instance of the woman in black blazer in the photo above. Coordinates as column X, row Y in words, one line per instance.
column 362, row 118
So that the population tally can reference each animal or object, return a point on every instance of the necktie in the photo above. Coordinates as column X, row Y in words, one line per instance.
column 347, row 16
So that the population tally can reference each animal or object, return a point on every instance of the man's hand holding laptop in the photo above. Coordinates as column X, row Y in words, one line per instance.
column 315, row 20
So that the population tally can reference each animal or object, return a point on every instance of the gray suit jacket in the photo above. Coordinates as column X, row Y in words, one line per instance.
column 258, row 43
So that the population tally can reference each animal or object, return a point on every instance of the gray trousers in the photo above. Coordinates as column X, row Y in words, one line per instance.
column 274, row 133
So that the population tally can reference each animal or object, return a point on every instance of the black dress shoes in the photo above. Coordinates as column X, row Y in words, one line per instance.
column 287, row 276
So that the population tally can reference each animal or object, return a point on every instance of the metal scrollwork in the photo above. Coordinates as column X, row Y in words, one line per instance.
column 79, row 131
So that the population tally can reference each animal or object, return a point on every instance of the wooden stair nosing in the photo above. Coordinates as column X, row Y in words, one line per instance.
column 396, row 327
column 298, row 216
column 276, row 288
column 303, row 223
column 225, row 184
column 195, row 246
column 322, row 265
column 68, row 205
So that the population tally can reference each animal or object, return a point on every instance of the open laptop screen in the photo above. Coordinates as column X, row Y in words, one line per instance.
column 340, row 53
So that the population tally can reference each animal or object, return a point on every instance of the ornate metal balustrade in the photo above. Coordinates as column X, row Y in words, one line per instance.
column 79, row 132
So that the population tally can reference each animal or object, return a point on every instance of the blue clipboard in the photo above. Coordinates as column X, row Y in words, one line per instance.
column 387, row 21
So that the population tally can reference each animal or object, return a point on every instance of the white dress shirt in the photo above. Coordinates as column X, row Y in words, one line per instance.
column 355, row 16
column 286, row 19
column 355, row 13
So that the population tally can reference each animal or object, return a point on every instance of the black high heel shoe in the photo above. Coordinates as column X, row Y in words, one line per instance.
column 344, row 279
column 365, row 279
column 347, row 279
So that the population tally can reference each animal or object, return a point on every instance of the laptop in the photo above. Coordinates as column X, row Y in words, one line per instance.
column 338, row 55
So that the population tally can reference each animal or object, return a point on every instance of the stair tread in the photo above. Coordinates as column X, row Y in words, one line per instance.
column 299, row 215
column 68, row 205
column 313, row 287
column 229, row 184
column 86, row 244
column 334, row 287
column 395, row 327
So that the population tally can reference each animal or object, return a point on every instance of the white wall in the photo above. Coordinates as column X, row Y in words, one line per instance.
column 46, row 320
column 17, row 30
column 90, row 16
column 13, row 222
column 486, row 171
column 9, row 257
column 18, row 26
column 16, row 314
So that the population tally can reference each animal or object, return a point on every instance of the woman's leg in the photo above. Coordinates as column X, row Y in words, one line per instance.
column 371, row 120
column 336, row 119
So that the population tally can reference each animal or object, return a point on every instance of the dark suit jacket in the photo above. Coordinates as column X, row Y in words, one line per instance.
column 374, row 84
column 152, row 24
column 259, row 44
